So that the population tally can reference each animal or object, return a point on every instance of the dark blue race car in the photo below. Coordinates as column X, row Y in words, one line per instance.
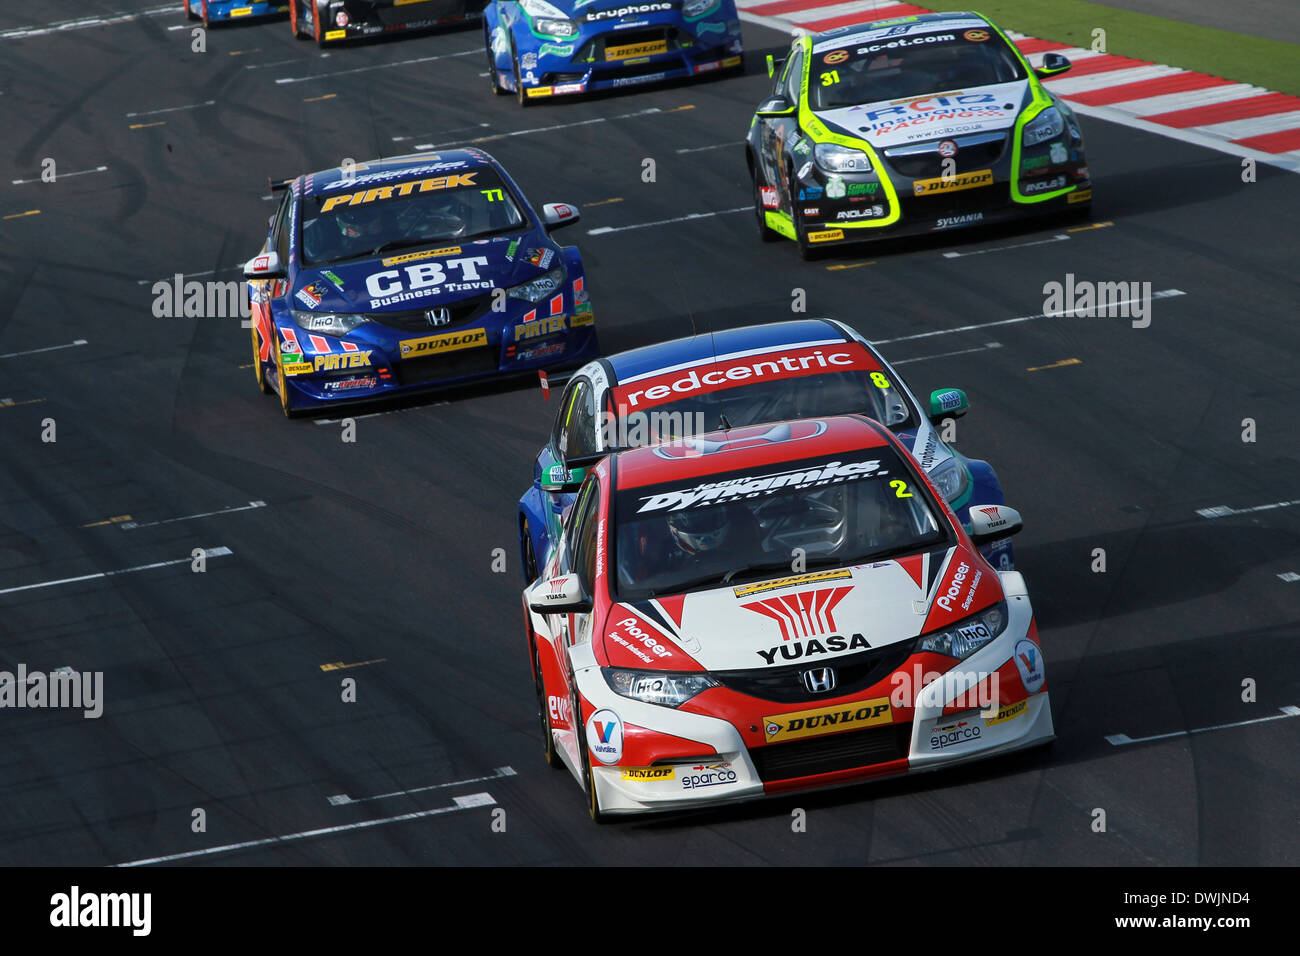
column 411, row 273
column 219, row 11
column 547, row 48
column 808, row 368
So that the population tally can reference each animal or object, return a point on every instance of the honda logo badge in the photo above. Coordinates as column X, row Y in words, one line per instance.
column 819, row 680
column 438, row 316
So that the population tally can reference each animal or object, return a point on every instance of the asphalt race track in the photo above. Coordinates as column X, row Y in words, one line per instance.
column 372, row 560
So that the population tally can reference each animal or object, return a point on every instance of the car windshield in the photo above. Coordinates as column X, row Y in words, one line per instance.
column 753, row 403
column 370, row 219
column 760, row 523
column 903, row 67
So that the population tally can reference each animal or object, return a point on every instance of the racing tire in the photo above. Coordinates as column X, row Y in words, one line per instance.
column 189, row 14
column 262, row 383
column 531, row 571
column 295, row 21
column 549, row 753
column 497, row 88
column 204, row 17
column 764, row 233
column 285, row 405
column 315, row 21
column 520, row 95
column 597, row 815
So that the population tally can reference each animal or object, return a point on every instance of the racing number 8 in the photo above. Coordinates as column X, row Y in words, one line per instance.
column 830, row 77
column 900, row 489
column 878, row 379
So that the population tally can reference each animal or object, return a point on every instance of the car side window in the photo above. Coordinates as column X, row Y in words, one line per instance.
column 583, row 534
column 794, row 78
column 575, row 434
column 280, row 231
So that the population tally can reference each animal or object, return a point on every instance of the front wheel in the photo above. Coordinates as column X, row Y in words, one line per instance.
column 549, row 753
column 520, row 95
column 807, row 251
column 189, row 14
column 497, row 88
column 530, row 556
column 263, row 385
column 295, row 20
column 588, row 777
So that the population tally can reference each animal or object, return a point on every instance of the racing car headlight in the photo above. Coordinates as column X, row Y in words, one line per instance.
column 698, row 8
column 964, row 638
column 1048, row 124
column 840, row 159
column 331, row 323
column 535, row 290
column 548, row 19
column 951, row 478
column 657, row 687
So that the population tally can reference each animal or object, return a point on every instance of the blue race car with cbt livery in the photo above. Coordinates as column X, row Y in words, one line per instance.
column 545, row 48
column 219, row 11
column 412, row 273
column 675, row 391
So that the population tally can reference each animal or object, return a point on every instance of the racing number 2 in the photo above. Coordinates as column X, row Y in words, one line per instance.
column 900, row 489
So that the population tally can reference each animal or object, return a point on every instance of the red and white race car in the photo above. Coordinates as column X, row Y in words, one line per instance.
column 776, row 608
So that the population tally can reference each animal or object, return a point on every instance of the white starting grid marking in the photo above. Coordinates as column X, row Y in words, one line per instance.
column 545, row 129
column 603, row 230
column 1119, row 740
column 1224, row 511
column 173, row 109
column 1162, row 294
column 80, row 172
column 342, row 799
column 128, row 525
column 441, row 132
column 1290, row 577
column 924, row 358
column 207, row 552
column 61, row 26
column 702, row 149
column 377, row 66
column 467, row 802
column 48, row 348
column 1062, row 237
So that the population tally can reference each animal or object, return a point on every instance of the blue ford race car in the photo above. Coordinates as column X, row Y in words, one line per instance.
column 218, row 11
column 546, row 48
column 748, row 376
column 411, row 273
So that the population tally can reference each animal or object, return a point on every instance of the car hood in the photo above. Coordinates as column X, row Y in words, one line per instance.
column 416, row 278
column 956, row 113
column 813, row 618
column 613, row 11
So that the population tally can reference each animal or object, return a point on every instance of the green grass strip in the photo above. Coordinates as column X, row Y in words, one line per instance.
column 1272, row 64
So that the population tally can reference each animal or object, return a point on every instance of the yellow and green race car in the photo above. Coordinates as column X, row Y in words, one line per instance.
column 909, row 126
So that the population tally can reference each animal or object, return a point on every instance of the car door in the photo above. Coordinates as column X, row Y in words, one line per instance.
column 771, row 124
column 577, row 554
column 785, row 131
column 261, row 291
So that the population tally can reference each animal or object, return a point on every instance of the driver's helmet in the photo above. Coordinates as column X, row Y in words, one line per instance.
column 361, row 222
column 449, row 216
column 700, row 531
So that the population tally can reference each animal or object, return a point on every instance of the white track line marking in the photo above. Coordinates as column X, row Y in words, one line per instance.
column 263, row 66
column 128, row 525
column 603, row 230
column 543, row 129
column 60, row 26
column 191, row 275
column 391, row 411
column 342, row 799
column 377, row 66
column 1290, row 577
column 1019, row 245
column 1119, row 740
column 1163, row 294
column 208, row 552
column 173, row 109
column 48, row 348
column 1224, row 511
column 701, row 149
column 441, row 132
column 923, row 358
column 466, row 802
column 80, row 172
